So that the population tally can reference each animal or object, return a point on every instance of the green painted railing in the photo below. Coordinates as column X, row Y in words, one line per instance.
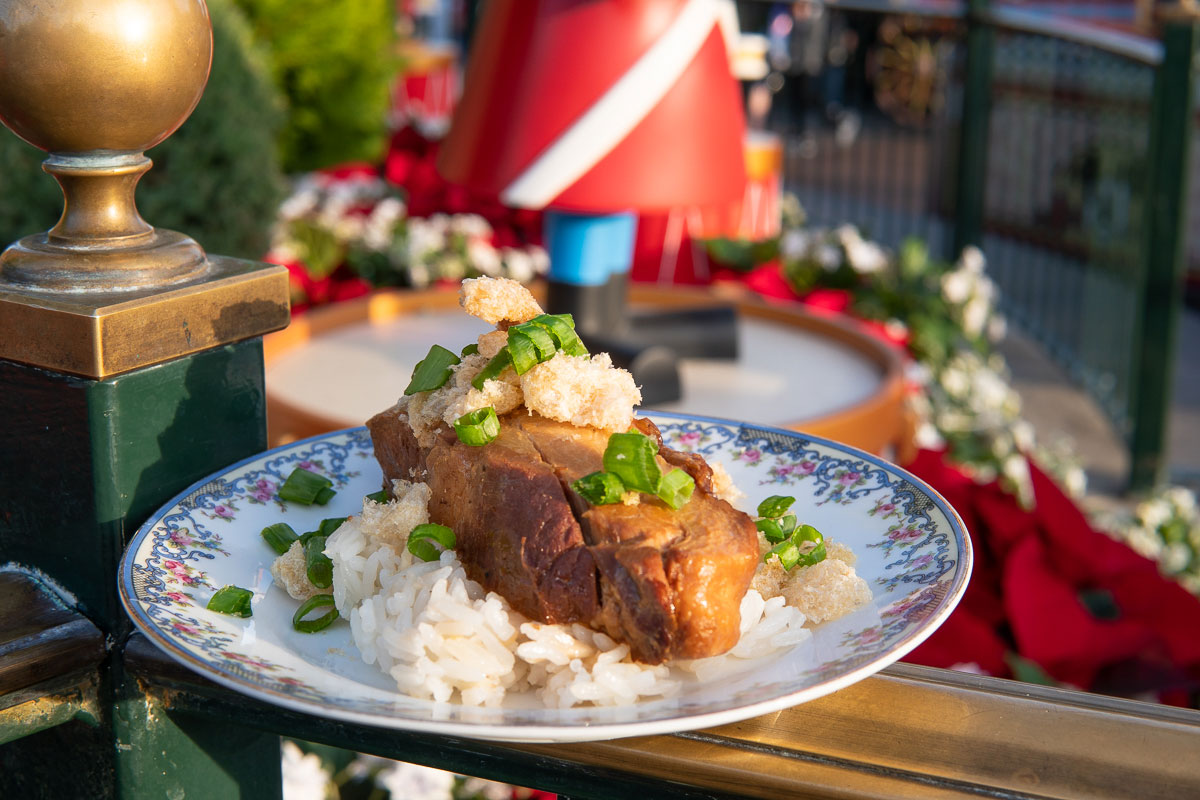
column 1059, row 147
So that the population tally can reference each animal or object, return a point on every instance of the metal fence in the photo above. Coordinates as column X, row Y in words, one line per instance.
column 1059, row 147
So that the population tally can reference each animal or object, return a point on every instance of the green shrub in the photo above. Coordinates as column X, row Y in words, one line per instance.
column 217, row 179
column 334, row 61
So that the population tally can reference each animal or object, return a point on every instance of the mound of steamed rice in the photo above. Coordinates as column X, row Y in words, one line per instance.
column 437, row 633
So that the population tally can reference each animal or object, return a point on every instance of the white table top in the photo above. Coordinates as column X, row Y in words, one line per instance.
column 783, row 374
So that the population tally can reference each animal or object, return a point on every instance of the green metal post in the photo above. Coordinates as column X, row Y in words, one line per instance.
column 1167, row 188
column 973, row 134
column 84, row 463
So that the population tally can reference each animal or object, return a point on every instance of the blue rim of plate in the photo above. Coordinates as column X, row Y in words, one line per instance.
column 587, row 730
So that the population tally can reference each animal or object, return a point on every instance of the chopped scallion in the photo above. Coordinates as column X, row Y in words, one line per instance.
column 381, row 496
column 470, row 350
column 631, row 457
column 807, row 533
column 771, row 529
column 676, row 488
column 775, row 506
column 308, row 606
column 419, row 543
column 543, row 342
column 787, row 524
column 492, row 369
column 804, row 547
column 303, row 486
column 233, row 600
column 328, row 526
column 432, row 371
column 788, row 552
column 522, row 351
column 317, row 564
column 477, row 428
column 600, row 488
column 814, row 556
column 562, row 328
column 280, row 537
column 324, row 496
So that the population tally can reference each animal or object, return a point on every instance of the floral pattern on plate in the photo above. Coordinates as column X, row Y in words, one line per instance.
column 911, row 546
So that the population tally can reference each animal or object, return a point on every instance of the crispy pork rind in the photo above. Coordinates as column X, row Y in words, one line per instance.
column 582, row 390
column 497, row 300
column 723, row 485
column 827, row 590
column 429, row 411
column 290, row 571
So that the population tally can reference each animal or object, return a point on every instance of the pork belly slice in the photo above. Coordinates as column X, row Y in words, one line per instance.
column 515, row 530
column 667, row 583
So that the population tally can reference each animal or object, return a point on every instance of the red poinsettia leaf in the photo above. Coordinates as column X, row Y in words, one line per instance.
column 835, row 300
column 1054, row 629
column 768, row 281
column 963, row 639
column 1077, row 549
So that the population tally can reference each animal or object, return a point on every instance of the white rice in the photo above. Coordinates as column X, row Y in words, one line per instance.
column 438, row 634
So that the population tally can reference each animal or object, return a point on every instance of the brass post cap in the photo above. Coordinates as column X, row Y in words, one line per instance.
column 96, row 83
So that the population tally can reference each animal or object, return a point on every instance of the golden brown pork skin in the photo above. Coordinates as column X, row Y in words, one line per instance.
column 666, row 582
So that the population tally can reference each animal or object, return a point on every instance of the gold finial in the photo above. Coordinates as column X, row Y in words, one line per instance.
column 96, row 83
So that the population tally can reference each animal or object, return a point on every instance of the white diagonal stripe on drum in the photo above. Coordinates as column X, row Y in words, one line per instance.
column 618, row 111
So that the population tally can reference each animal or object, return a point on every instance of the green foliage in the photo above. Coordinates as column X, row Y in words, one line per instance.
column 30, row 201
column 334, row 60
column 217, row 179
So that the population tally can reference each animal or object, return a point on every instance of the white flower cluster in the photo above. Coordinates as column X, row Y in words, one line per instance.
column 1164, row 527
column 972, row 295
column 831, row 249
column 357, row 219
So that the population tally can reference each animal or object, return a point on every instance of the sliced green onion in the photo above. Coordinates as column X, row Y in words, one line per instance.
column 381, row 496
column 807, row 533
column 542, row 341
column 600, row 488
column 676, row 488
column 787, row 524
column 814, row 556
column 317, row 564
column 432, row 371
column 324, row 496
column 470, row 350
column 232, row 600
column 303, row 486
column 328, row 526
column 794, row 550
column 492, row 368
column 280, row 537
column 477, row 428
column 771, row 529
column 562, row 328
column 419, row 543
column 308, row 606
column 522, row 351
column 788, row 552
column 631, row 457
column 775, row 506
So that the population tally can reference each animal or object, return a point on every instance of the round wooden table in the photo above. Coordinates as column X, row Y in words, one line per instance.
column 337, row 365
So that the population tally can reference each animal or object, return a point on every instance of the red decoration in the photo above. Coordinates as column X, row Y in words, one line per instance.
column 568, row 86
column 1050, row 588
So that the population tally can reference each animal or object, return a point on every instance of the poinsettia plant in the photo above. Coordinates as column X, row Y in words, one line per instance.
column 945, row 315
column 346, row 232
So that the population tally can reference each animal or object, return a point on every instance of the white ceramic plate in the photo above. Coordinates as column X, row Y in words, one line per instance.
column 912, row 549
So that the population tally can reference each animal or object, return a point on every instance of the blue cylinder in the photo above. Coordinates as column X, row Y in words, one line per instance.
column 586, row 249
